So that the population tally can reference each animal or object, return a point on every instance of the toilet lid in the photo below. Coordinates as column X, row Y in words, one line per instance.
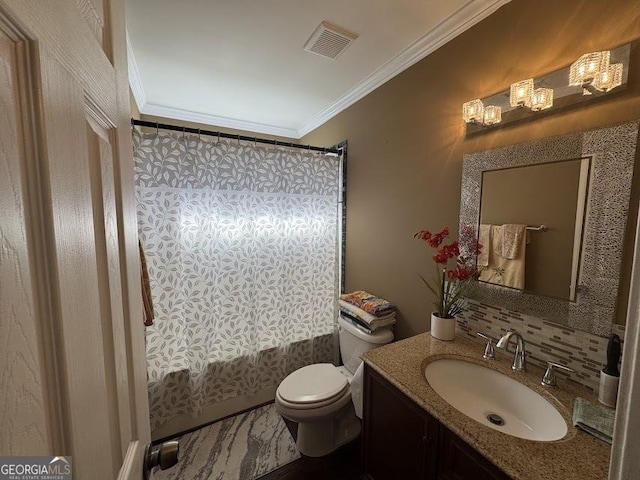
column 313, row 383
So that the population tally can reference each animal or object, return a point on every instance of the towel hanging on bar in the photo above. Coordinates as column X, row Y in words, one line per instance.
column 147, row 301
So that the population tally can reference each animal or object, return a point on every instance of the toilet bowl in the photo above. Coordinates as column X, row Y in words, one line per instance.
column 319, row 397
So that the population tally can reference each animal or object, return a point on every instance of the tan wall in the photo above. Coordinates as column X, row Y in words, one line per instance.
column 544, row 194
column 406, row 139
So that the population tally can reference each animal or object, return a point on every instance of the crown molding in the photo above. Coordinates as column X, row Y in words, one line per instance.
column 472, row 12
column 464, row 18
column 207, row 119
column 134, row 77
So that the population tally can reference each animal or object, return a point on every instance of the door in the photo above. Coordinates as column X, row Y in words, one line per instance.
column 72, row 366
column 399, row 438
column 459, row 461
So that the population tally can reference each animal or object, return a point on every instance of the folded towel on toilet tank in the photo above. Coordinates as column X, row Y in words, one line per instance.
column 369, row 303
column 365, row 319
column 383, row 324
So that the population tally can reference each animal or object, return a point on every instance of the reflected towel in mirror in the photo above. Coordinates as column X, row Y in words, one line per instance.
column 512, row 234
column 501, row 270
column 484, row 239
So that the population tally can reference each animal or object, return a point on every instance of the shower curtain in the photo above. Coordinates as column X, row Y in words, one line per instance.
column 242, row 250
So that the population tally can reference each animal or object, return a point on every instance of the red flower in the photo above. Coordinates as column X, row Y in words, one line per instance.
column 452, row 250
column 437, row 239
column 434, row 240
column 461, row 273
column 450, row 297
column 423, row 235
column 440, row 258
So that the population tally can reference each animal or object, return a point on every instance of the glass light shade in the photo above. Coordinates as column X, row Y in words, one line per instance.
column 585, row 69
column 609, row 78
column 473, row 111
column 541, row 99
column 492, row 115
column 520, row 93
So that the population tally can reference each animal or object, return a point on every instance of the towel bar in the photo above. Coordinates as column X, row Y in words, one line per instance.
column 541, row 228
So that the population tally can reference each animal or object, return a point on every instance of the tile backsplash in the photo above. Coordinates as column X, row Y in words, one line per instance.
column 583, row 352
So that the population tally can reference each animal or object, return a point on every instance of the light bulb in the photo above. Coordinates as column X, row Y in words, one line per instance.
column 541, row 99
column 473, row 111
column 520, row 94
column 492, row 115
column 609, row 79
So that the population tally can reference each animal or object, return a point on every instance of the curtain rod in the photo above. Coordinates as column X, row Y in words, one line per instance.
column 177, row 128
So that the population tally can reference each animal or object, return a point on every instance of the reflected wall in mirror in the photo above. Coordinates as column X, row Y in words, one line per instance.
column 612, row 153
column 539, row 211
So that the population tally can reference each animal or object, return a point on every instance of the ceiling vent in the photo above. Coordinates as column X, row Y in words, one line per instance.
column 329, row 41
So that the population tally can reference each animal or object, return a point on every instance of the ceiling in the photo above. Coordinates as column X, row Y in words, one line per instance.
column 241, row 64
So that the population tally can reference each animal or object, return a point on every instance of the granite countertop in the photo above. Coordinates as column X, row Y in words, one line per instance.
column 577, row 456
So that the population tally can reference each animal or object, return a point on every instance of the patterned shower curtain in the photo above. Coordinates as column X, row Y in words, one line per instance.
column 242, row 251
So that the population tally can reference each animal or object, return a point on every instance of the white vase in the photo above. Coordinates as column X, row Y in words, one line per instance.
column 443, row 328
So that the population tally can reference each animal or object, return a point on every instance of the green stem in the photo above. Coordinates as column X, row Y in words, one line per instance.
column 443, row 304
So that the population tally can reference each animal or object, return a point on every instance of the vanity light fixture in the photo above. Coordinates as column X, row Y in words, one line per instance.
column 492, row 115
column 520, row 93
column 541, row 99
column 584, row 70
column 473, row 111
column 609, row 79
column 523, row 94
column 593, row 72
column 590, row 78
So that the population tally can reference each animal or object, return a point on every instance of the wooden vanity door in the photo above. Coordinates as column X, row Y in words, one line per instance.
column 72, row 366
column 458, row 461
column 410, row 435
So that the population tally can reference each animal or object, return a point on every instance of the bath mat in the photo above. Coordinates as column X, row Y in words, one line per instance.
column 243, row 447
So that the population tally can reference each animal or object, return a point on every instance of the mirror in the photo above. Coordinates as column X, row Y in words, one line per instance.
column 538, row 211
column 596, row 264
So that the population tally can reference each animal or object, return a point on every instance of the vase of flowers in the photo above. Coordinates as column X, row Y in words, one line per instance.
column 455, row 270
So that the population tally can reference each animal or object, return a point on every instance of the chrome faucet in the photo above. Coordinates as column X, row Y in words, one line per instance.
column 520, row 357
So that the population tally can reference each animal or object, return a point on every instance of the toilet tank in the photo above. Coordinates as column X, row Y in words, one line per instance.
column 354, row 342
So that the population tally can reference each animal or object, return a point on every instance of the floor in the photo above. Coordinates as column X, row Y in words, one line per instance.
column 343, row 464
column 258, row 444
column 243, row 447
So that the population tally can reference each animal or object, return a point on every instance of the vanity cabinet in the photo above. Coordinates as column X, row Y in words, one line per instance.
column 402, row 441
column 458, row 461
column 399, row 437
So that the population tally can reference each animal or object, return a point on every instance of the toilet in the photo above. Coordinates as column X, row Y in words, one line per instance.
column 320, row 397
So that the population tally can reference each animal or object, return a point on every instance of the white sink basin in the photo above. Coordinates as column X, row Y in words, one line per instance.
column 481, row 392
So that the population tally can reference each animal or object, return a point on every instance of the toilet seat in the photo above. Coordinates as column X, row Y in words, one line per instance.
column 313, row 386
column 318, row 407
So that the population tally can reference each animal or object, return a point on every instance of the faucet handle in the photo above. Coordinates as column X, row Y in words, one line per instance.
column 489, row 352
column 549, row 378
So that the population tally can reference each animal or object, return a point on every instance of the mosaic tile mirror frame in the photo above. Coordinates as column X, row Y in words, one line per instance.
column 612, row 151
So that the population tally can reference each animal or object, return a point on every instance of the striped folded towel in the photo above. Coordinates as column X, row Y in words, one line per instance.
column 360, row 316
column 365, row 327
column 594, row 419
column 369, row 303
